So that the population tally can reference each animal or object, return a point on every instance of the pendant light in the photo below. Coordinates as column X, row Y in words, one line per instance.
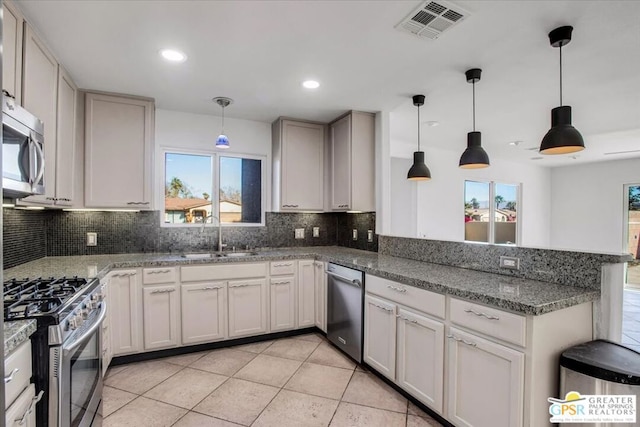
column 562, row 138
column 419, row 170
column 474, row 157
column 223, row 140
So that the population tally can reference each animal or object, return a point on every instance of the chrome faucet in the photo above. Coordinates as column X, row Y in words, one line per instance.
column 220, row 244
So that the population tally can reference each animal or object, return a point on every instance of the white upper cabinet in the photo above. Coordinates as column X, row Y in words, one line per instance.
column 40, row 97
column 66, row 141
column 298, row 166
column 12, row 22
column 118, row 151
column 353, row 162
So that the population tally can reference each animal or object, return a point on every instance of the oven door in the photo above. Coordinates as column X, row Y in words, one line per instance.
column 79, row 388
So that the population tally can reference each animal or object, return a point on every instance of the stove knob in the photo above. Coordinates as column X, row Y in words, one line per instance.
column 91, row 305
column 79, row 320
column 98, row 297
column 84, row 313
column 71, row 324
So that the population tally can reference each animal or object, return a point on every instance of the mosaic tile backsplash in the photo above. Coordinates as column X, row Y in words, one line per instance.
column 30, row 235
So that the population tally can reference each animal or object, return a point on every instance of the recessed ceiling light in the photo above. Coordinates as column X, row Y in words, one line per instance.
column 173, row 55
column 311, row 84
column 514, row 143
column 433, row 123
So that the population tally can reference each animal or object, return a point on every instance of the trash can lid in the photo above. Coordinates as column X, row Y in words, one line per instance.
column 605, row 360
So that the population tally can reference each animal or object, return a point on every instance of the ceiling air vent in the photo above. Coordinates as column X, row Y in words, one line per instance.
column 432, row 19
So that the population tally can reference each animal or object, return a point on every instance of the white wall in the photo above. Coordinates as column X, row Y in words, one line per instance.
column 440, row 205
column 587, row 205
column 404, row 209
column 175, row 129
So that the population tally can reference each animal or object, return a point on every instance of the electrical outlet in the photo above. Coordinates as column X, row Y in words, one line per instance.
column 355, row 234
column 92, row 239
column 299, row 233
column 316, row 231
column 511, row 263
column 369, row 235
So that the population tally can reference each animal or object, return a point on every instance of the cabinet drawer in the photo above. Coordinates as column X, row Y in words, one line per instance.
column 17, row 366
column 22, row 413
column 282, row 268
column 420, row 299
column 196, row 273
column 493, row 322
column 152, row 276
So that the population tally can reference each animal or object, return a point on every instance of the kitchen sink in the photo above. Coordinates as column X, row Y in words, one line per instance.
column 200, row 256
column 238, row 254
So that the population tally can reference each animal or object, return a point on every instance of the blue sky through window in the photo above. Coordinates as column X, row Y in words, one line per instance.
column 195, row 171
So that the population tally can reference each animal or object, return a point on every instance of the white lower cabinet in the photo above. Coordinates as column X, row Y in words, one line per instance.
column 247, row 307
column 283, row 303
column 320, row 280
column 124, row 312
column 204, row 312
column 107, row 348
column 420, row 357
column 22, row 412
column 160, row 306
column 306, row 293
column 380, row 335
column 486, row 382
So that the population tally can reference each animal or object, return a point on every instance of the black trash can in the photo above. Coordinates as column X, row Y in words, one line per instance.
column 601, row 368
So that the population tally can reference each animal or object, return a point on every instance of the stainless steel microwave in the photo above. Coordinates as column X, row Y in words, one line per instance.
column 22, row 151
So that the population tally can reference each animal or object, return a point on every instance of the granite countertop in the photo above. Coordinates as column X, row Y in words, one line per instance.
column 515, row 294
column 16, row 332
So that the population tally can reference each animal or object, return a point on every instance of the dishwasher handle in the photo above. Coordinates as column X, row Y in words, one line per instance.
column 353, row 282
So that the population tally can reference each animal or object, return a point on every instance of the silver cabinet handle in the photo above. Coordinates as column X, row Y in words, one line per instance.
column 205, row 288
column 162, row 291
column 123, row 274
column 289, row 206
column 453, row 337
column 158, row 271
column 32, row 406
column 286, row 282
column 390, row 310
column 406, row 319
column 397, row 289
column 241, row 285
column 488, row 316
column 9, row 378
column 343, row 206
column 286, row 264
column 137, row 203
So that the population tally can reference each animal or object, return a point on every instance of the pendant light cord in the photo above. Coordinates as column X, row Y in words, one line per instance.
column 561, row 74
column 418, row 128
column 223, row 120
column 474, row 105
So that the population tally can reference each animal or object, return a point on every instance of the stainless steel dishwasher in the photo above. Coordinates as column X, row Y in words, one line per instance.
column 344, row 309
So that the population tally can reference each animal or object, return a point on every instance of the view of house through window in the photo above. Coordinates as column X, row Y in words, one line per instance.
column 633, row 234
column 490, row 212
column 190, row 188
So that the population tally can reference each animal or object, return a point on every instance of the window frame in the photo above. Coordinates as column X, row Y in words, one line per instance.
column 215, row 202
column 492, row 209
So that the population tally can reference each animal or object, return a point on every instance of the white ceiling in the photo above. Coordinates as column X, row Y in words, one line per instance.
column 258, row 53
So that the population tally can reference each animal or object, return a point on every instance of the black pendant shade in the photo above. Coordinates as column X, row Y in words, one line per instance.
column 419, row 170
column 562, row 138
column 474, row 157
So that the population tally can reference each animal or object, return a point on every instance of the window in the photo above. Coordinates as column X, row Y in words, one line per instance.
column 192, row 179
column 491, row 212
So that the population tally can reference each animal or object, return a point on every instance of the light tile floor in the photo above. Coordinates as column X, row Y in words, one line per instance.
column 291, row 382
column 631, row 319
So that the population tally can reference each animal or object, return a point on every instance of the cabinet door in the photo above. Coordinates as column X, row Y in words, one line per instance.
column 124, row 312
column 66, row 145
column 485, row 382
column 247, row 307
column 12, row 22
column 421, row 358
column 22, row 412
column 107, row 350
column 302, row 166
column 306, row 293
column 204, row 312
column 283, row 303
column 321, row 296
column 40, row 97
column 160, row 306
column 380, row 335
column 341, row 164
column 118, row 144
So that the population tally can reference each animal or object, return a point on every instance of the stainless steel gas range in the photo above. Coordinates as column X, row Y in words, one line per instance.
column 66, row 347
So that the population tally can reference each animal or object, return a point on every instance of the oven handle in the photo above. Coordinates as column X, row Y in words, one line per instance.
column 77, row 342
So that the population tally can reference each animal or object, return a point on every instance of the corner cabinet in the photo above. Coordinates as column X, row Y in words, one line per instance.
column 298, row 166
column 118, row 151
column 352, row 140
